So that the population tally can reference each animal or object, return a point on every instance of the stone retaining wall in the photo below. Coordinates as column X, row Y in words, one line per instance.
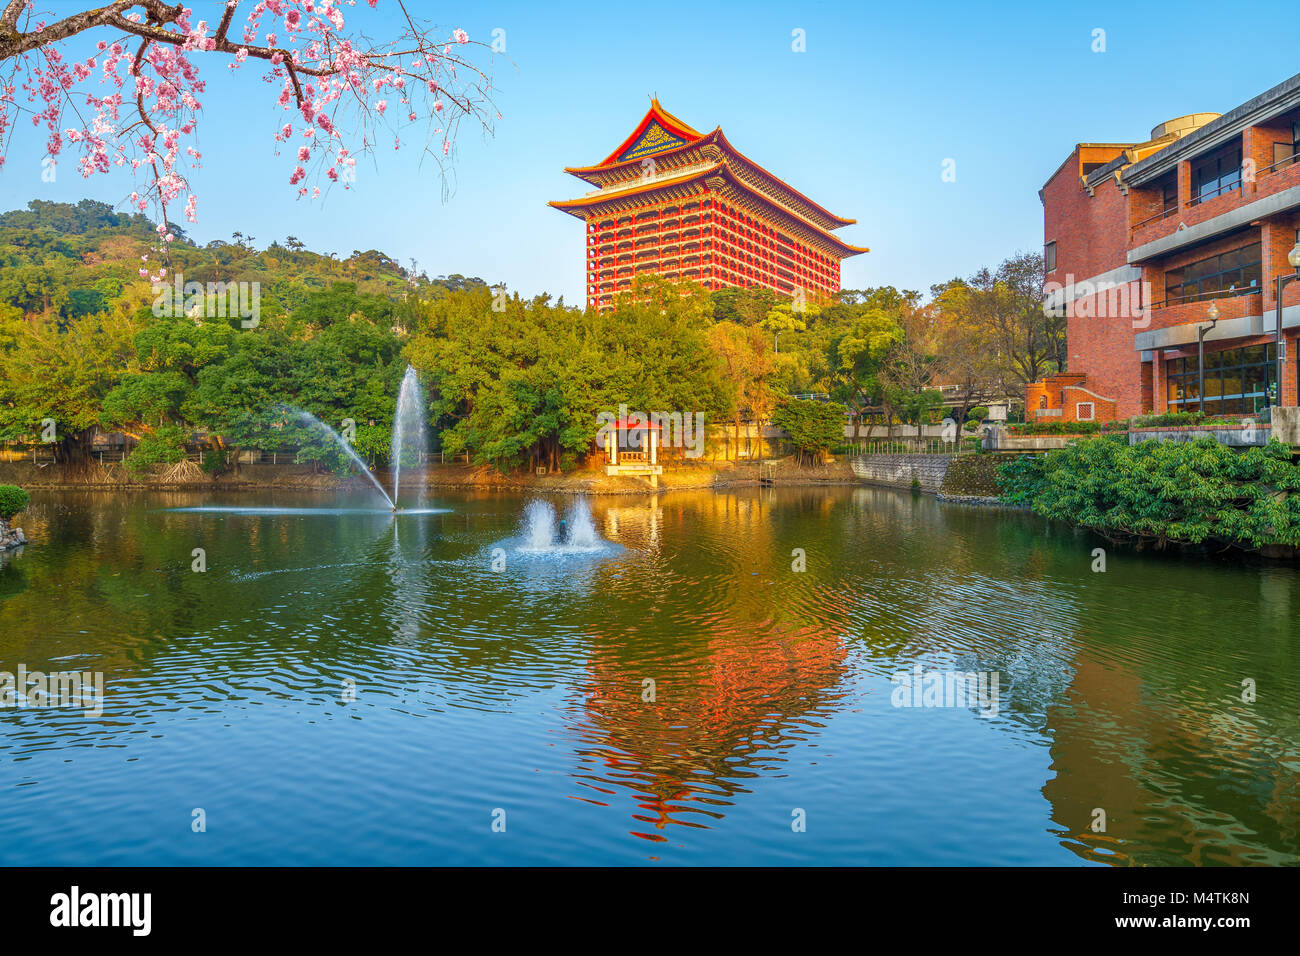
column 898, row 471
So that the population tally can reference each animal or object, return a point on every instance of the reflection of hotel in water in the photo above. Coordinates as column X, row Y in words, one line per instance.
column 729, row 707
column 729, row 703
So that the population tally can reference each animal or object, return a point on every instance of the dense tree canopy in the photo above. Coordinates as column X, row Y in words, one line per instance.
column 86, row 343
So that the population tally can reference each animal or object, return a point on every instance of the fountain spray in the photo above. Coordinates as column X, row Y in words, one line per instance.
column 409, row 431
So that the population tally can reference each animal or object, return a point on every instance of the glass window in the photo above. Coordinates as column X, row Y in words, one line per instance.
column 1237, row 381
column 1049, row 256
column 1235, row 272
column 1217, row 173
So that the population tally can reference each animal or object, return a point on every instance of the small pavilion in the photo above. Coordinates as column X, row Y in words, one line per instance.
column 632, row 448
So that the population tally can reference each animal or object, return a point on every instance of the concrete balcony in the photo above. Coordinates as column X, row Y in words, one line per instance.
column 1240, row 316
column 1262, row 184
column 1274, row 191
column 1245, row 433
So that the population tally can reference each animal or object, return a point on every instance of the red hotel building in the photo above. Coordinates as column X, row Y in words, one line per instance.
column 1146, row 242
column 674, row 202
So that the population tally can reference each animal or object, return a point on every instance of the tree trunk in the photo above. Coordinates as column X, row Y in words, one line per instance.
column 74, row 449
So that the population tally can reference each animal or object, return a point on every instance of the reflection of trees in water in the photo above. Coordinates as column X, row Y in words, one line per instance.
column 12, row 579
column 1133, row 676
column 113, row 581
column 1153, row 729
column 1188, row 777
column 959, row 589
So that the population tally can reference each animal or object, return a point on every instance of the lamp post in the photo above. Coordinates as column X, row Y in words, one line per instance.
column 1213, row 313
column 1292, row 257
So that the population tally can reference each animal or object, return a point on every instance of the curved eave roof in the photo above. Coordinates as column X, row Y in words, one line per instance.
column 598, row 175
column 572, row 206
column 818, row 206
column 579, row 207
column 658, row 114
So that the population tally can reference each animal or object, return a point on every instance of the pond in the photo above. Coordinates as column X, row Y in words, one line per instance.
column 714, row 678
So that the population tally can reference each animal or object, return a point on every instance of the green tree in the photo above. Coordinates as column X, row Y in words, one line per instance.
column 815, row 428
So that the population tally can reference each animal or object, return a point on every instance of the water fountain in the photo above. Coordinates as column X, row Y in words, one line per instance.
column 581, row 528
column 409, row 444
column 539, row 525
column 542, row 533
column 338, row 440
column 409, row 432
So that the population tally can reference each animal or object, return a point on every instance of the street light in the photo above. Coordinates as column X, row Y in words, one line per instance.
column 1213, row 313
column 1292, row 257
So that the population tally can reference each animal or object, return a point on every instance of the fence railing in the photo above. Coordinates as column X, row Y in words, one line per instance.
column 44, row 454
column 913, row 446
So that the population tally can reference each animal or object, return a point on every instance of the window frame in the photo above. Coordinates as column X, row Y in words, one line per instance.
column 1224, row 180
column 1247, row 268
column 1223, row 366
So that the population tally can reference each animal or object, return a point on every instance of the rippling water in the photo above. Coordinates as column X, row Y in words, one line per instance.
column 347, row 686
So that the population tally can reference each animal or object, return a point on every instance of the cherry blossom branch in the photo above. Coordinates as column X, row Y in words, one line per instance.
column 322, row 71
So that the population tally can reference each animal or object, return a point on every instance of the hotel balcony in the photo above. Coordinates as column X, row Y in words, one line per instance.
column 1235, row 172
column 1275, row 188
column 1175, row 325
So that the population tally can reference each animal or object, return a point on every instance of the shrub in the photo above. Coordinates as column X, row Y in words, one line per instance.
column 1021, row 480
column 13, row 500
column 215, row 461
column 1183, row 492
column 1056, row 428
column 813, row 427
column 978, row 413
column 1183, row 418
column 164, row 446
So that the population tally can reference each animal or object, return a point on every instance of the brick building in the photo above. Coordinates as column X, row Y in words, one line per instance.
column 1148, row 243
column 674, row 202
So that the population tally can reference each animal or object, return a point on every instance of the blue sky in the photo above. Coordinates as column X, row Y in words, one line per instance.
column 862, row 122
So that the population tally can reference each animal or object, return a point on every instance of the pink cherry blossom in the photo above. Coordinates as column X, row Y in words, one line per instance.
column 151, row 93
